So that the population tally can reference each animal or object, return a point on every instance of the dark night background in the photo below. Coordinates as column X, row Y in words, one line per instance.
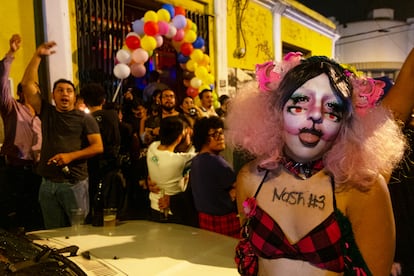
column 357, row 10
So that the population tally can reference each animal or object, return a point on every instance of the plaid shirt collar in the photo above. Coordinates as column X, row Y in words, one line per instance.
column 302, row 170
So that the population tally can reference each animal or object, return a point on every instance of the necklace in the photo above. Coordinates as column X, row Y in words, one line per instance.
column 302, row 170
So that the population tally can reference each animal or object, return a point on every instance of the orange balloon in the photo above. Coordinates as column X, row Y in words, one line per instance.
column 179, row 10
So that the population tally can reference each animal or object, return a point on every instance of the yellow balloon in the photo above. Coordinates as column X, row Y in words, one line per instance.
column 163, row 15
column 148, row 43
column 201, row 72
column 191, row 65
column 204, row 86
column 194, row 27
column 197, row 55
column 210, row 79
column 190, row 36
column 150, row 16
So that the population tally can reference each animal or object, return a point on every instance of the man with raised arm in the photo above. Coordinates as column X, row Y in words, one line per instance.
column 70, row 137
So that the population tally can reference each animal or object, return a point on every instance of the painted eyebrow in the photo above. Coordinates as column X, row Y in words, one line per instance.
column 296, row 96
column 337, row 107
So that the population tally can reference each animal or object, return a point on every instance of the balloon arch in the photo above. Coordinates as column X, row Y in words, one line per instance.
column 148, row 34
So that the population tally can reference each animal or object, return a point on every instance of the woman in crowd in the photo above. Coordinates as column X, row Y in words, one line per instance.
column 314, row 201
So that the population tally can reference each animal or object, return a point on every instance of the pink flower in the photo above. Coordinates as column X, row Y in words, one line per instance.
column 367, row 92
column 270, row 74
column 249, row 207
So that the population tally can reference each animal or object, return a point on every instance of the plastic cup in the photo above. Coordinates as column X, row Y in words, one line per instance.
column 109, row 218
column 77, row 219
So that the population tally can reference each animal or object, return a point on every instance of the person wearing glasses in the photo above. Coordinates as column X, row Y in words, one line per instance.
column 212, row 179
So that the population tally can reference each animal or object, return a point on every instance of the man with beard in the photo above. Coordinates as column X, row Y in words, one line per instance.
column 152, row 123
column 70, row 137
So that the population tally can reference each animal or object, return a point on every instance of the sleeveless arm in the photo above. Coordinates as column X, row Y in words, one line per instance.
column 400, row 98
column 372, row 220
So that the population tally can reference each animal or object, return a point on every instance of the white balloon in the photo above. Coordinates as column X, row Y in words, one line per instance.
column 171, row 31
column 122, row 71
column 123, row 56
column 196, row 82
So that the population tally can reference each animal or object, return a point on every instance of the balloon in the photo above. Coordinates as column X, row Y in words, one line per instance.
column 191, row 65
column 159, row 40
column 182, row 58
column 150, row 16
column 139, row 55
column 121, row 71
column 205, row 86
column 192, row 92
column 198, row 43
column 148, row 43
column 170, row 9
column 201, row 72
column 189, row 24
column 208, row 79
column 197, row 55
column 132, row 33
column 179, row 21
column 132, row 42
column 163, row 27
column 151, row 28
column 186, row 48
column 138, row 70
column 205, row 60
column 177, row 45
column 196, row 82
column 179, row 35
column 179, row 10
column 123, row 56
column 172, row 31
column 190, row 36
column 163, row 15
column 194, row 27
column 138, row 27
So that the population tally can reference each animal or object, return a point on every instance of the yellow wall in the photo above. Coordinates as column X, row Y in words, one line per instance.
column 257, row 26
column 298, row 35
column 17, row 17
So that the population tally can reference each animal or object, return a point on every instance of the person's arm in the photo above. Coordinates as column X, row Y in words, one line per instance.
column 5, row 64
column 246, row 183
column 400, row 98
column 371, row 216
column 29, row 81
column 95, row 147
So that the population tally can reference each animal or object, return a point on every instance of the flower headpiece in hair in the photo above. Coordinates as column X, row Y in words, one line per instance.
column 366, row 91
column 269, row 74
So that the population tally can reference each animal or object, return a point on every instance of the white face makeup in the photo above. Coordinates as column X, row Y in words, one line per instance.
column 312, row 119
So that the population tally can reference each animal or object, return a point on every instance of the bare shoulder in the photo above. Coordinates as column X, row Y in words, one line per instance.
column 249, row 178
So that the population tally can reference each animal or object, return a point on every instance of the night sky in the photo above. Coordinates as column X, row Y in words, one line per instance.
column 357, row 10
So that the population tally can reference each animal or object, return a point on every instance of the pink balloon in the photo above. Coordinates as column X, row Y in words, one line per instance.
column 179, row 35
column 159, row 40
column 139, row 55
column 163, row 27
column 138, row 70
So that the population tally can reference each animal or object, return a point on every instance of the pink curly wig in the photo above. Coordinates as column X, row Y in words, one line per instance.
column 368, row 144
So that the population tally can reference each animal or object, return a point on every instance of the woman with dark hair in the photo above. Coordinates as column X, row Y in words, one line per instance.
column 314, row 201
column 212, row 179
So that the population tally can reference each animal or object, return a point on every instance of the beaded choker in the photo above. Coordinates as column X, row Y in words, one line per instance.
column 302, row 170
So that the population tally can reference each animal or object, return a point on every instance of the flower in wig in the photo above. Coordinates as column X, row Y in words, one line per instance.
column 269, row 74
column 367, row 92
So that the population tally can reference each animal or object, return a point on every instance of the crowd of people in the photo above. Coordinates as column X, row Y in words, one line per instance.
column 315, row 143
